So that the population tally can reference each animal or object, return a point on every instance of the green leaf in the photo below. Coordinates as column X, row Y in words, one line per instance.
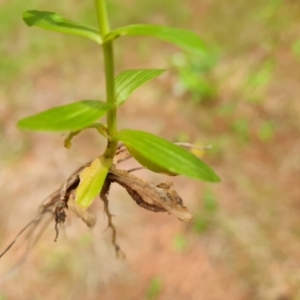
column 159, row 155
column 70, row 117
column 182, row 38
column 129, row 80
column 91, row 181
column 54, row 22
column 101, row 128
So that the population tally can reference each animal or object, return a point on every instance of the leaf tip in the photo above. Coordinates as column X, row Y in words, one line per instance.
column 214, row 177
column 30, row 17
column 20, row 124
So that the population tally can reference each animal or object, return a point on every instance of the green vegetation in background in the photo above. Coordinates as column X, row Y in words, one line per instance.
column 205, row 217
column 173, row 12
column 59, row 261
column 179, row 242
column 241, row 127
column 17, row 51
column 266, row 131
column 154, row 289
column 20, row 53
column 196, row 75
column 258, row 81
column 85, row 240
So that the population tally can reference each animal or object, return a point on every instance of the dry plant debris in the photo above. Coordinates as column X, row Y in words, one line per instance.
column 156, row 198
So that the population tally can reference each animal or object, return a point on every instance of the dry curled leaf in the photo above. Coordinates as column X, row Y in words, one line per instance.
column 150, row 196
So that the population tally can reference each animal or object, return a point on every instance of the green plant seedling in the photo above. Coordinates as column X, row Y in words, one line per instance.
column 153, row 152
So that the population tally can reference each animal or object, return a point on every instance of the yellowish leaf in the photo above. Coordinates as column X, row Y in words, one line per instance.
column 91, row 181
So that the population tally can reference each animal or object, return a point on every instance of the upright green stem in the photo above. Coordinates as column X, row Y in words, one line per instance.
column 102, row 17
column 109, row 76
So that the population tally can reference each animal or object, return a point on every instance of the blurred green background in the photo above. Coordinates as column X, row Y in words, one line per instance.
column 241, row 98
